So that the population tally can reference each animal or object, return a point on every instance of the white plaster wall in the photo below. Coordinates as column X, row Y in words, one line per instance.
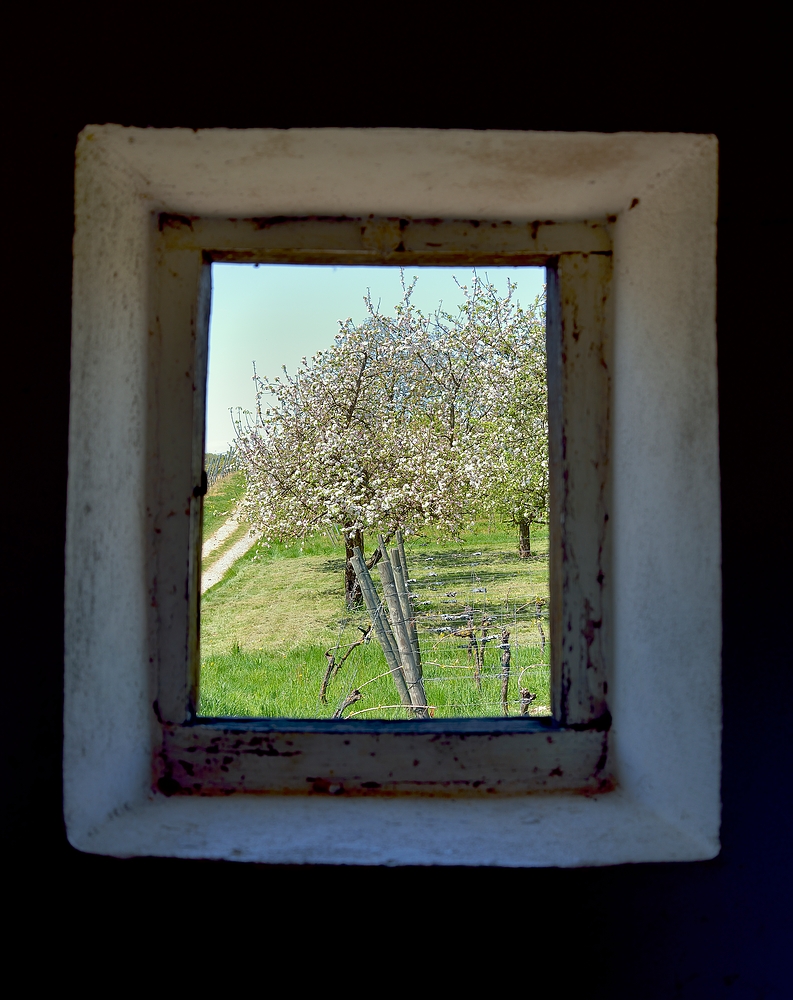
column 665, row 685
column 391, row 171
column 107, row 757
column 666, row 697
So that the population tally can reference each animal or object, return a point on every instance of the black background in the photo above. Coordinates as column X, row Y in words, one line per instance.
column 714, row 929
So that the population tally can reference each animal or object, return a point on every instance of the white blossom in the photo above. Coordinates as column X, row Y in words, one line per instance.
column 405, row 421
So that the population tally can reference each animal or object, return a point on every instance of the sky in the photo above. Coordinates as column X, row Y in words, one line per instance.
column 277, row 314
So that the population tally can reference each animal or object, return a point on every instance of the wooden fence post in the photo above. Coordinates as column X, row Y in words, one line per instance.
column 381, row 627
column 399, row 625
column 414, row 635
column 400, row 579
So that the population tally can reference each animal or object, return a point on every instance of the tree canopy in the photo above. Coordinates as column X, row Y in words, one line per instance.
column 407, row 420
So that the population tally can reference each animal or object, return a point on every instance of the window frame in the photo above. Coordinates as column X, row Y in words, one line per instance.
column 444, row 756
column 139, row 194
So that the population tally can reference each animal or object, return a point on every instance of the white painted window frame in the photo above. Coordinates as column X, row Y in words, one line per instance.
column 198, row 756
column 664, row 681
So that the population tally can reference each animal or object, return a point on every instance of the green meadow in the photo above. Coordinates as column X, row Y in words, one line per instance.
column 267, row 625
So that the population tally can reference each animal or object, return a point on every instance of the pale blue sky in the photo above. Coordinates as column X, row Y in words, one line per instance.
column 276, row 314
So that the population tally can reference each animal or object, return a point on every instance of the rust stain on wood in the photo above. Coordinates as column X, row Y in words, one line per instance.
column 203, row 760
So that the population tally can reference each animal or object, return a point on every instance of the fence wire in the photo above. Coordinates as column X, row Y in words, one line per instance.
column 463, row 634
column 218, row 466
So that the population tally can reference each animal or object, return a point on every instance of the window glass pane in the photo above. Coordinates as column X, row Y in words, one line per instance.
column 352, row 404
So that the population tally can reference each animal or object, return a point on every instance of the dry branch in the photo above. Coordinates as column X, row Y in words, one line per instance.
column 351, row 699
column 526, row 698
column 334, row 665
column 472, row 649
column 506, row 657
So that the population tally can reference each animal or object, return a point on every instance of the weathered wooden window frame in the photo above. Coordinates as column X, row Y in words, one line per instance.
column 662, row 496
column 569, row 752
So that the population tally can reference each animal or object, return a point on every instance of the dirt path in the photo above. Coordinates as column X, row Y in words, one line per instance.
column 226, row 529
column 214, row 574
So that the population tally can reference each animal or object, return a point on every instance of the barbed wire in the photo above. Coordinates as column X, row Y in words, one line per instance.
column 533, row 711
column 464, row 619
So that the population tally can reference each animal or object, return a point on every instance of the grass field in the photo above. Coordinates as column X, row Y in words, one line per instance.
column 266, row 626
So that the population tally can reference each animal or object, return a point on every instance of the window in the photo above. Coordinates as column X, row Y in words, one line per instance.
column 287, row 632
column 199, row 756
column 636, row 478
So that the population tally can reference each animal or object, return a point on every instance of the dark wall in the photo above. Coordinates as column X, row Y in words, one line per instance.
column 720, row 928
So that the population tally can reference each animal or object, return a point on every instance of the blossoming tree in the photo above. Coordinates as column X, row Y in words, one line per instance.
column 397, row 425
column 515, row 395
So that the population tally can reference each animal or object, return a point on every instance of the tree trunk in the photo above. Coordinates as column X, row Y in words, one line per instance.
column 524, row 539
column 352, row 592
